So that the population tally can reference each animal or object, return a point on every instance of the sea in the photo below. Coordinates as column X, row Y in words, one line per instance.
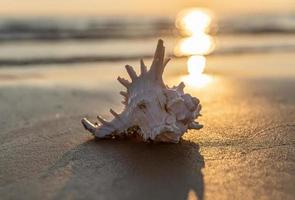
column 46, row 41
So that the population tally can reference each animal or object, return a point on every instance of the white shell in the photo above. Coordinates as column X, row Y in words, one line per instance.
column 157, row 112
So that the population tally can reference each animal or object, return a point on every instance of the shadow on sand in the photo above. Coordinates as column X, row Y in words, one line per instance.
column 124, row 169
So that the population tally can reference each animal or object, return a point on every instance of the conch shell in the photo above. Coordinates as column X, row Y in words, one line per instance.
column 152, row 109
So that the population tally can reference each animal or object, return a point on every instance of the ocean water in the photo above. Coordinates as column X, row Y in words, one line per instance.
column 64, row 41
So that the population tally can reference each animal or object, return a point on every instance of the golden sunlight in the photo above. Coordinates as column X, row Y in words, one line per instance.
column 201, row 44
column 196, row 65
column 194, row 21
column 196, row 78
column 197, row 81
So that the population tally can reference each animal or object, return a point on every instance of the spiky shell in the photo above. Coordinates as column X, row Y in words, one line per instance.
column 160, row 113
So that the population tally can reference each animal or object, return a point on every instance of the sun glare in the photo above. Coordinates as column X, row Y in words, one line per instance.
column 194, row 21
column 196, row 65
column 194, row 25
column 201, row 44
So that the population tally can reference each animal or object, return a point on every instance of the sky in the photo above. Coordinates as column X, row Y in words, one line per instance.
column 139, row 7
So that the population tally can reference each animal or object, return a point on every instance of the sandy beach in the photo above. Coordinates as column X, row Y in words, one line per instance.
column 246, row 149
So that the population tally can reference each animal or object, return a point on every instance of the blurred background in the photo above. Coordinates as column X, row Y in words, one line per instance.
column 211, row 36
column 84, row 45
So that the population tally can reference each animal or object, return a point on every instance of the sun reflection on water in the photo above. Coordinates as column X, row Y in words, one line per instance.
column 193, row 21
column 194, row 61
column 201, row 44
column 194, row 24
column 196, row 66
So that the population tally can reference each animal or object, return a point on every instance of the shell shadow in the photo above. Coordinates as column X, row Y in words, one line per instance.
column 124, row 169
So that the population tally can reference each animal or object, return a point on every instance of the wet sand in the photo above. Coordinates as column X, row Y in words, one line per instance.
column 246, row 149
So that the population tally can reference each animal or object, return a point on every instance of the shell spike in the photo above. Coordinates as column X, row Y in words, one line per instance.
column 131, row 72
column 102, row 131
column 195, row 125
column 159, row 54
column 123, row 81
column 89, row 126
column 143, row 68
column 180, row 87
column 101, row 120
column 116, row 115
column 124, row 94
column 157, row 67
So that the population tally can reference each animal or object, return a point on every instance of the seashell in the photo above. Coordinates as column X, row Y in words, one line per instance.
column 152, row 109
